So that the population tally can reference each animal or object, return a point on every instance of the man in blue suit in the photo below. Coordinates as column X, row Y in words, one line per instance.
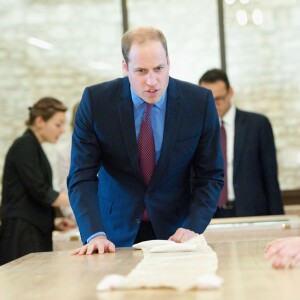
column 113, row 203
column 252, row 184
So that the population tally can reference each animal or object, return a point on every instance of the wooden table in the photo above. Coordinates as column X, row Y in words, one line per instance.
column 252, row 228
column 246, row 273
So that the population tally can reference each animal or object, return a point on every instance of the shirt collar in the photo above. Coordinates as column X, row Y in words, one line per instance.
column 137, row 101
column 229, row 117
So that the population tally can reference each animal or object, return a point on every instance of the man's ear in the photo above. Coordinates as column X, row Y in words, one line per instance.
column 230, row 92
column 124, row 67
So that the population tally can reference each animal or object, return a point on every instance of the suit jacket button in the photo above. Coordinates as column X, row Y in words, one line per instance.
column 138, row 221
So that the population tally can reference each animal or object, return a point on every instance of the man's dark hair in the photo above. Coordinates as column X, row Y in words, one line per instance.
column 214, row 75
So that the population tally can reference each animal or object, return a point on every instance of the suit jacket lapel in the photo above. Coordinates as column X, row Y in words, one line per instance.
column 172, row 121
column 127, row 126
column 239, row 138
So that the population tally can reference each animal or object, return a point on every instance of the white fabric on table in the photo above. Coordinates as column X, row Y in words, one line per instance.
column 166, row 264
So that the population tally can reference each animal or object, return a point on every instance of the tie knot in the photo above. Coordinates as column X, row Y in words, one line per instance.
column 148, row 107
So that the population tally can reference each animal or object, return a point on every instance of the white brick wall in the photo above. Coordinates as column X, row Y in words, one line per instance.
column 263, row 66
column 262, row 61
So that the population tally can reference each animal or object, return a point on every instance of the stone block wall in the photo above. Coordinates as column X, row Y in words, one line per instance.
column 84, row 37
column 263, row 64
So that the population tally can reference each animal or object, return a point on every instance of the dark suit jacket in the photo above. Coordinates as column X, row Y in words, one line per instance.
column 27, row 191
column 255, row 180
column 104, row 142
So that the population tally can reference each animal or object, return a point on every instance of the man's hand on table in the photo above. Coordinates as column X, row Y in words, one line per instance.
column 182, row 235
column 100, row 244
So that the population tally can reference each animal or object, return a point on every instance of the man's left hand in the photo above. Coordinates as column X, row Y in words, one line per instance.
column 182, row 235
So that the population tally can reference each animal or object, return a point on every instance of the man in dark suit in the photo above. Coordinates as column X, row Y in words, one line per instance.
column 116, row 196
column 251, row 171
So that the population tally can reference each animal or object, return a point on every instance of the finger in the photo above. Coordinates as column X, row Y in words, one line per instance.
column 273, row 250
column 100, row 249
column 276, row 244
column 170, row 238
column 191, row 235
column 280, row 262
column 271, row 247
column 184, row 237
column 294, row 261
column 75, row 251
column 267, row 248
column 93, row 247
column 177, row 237
column 188, row 234
column 111, row 248
column 268, row 253
column 83, row 250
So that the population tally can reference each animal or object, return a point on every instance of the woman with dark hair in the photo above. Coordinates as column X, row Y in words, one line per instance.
column 28, row 199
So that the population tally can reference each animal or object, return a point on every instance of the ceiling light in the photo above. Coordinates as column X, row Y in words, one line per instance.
column 241, row 17
column 39, row 43
column 257, row 17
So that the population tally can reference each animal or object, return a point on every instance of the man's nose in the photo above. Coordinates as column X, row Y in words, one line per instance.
column 151, row 78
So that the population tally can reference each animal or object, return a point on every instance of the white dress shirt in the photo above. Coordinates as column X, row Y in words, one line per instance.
column 229, row 124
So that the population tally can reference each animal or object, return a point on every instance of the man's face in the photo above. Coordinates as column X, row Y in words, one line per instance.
column 221, row 94
column 148, row 70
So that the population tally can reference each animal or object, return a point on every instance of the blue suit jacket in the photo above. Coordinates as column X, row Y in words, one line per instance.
column 255, row 180
column 107, row 192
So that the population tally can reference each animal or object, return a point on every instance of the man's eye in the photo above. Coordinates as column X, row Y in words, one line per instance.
column 141, row 71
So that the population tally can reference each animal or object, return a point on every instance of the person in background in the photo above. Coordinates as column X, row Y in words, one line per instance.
column 63, row 166
column 28, row 199
column 284, row 252
column 251, row 186
column 134, row 143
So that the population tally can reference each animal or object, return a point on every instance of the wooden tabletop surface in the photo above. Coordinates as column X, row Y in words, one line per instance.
column 246, row 273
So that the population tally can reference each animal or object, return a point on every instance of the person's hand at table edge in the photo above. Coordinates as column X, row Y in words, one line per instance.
column 99, row 244
column 182, row 235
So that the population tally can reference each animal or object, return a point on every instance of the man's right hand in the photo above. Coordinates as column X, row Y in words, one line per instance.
column 99, row 244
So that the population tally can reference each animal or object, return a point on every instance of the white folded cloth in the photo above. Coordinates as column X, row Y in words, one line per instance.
column 166, row 264
column 164, row 246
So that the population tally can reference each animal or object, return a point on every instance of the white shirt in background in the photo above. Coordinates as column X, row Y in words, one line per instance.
column 229, row 124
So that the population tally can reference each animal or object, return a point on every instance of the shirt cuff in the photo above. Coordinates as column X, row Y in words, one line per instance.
column 96, row 234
